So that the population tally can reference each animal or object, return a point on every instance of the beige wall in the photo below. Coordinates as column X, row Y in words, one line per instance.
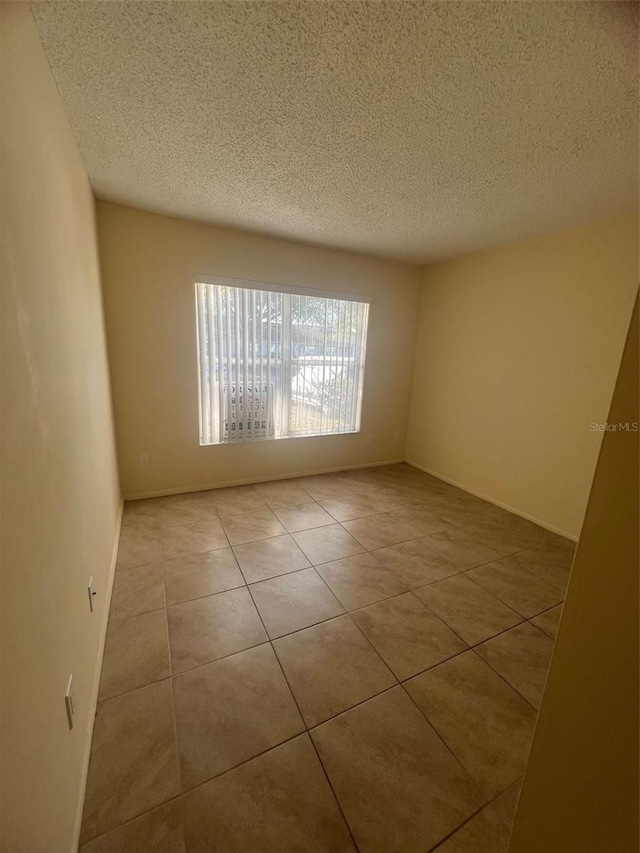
column 60, row 497
column 149, row 265
column 580, row 791
column 517, row 354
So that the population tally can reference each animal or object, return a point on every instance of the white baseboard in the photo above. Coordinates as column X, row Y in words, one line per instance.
column 248, row 481
column 93, row 702
column 491, row 500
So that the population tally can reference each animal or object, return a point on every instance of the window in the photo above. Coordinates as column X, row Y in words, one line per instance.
column 277, row 363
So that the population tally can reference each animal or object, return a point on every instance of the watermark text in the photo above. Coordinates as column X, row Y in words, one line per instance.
column 607, row 427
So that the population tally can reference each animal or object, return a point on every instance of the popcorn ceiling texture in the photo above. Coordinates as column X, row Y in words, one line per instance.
column 416, row 131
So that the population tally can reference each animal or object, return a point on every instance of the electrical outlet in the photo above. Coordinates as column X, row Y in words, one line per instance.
column 369, row 438
column 396, row 436
column 92, row 592
column 69, row 702
column 145, row 460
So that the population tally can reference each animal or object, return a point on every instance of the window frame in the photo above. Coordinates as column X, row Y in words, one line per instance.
column 363, row 302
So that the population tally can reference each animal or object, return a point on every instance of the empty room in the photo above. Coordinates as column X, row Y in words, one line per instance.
column 319, row 450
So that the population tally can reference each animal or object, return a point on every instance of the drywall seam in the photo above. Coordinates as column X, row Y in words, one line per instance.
column 96, row 677
column 160, row 493
column 493, row 501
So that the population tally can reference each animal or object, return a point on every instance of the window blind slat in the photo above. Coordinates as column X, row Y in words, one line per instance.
column 220, row 366
column 285, row 355
column 203, row 365
column 339, row 356
column 212, row 360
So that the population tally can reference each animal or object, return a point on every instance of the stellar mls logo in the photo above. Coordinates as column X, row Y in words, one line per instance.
column 607, row 427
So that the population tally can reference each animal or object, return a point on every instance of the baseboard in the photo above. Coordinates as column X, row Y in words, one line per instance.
column 493, row 501
column 93, row 702
column 249, row 481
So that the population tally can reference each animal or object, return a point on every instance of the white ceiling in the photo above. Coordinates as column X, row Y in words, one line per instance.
column 408, row 130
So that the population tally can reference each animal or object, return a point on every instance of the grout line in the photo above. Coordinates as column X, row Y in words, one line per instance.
column 475, row 814
column 506, row 681
column 354, row 706
column 304, row 723
column 242, row 585
column 374, row 649
column 176, row 739
column 113, row 621
column 242, row 763
column 308, row 730
column 445, row 744
column 173, row 704
column 329, row 619
column 500, row 597
column 128, row 822
column 346, row 612
column 333, row 791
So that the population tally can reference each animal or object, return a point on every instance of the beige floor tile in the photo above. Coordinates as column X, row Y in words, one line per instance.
column 157, row 831
column 325, row 486
column 183, row 509
column 549, row 621
column 387, row 501
column 376, row 531
column 451, row 493
column 392, row 498
column 231, row 710
column 252, row 526
column 238, row 500
column 517, row 588
column 467, row 546
column 269, row 558
column 137, row 590
column 483, row 721
column 421, row 522
column 327, row 543
column 303, row 516
column 138, row 547
column 136, row 653
column 398, row 785
column 357, row 505
column 361, row 580
column 294, row 601
column 521, row 656
column 408, row 636
column 506, row 804
column 472, row 612
column 400, row 470
column 331, row 667
column 210, row 628
column 279, row 802
column 550, row 563
column 283, row 493
column 141, row 514
column 518, row 530
column 484, row 833
column 414, row 563
column 192, row 538
column 364, row 479
column 360, row 479
column 134, row 758
column 196, row 575
column 461, row 514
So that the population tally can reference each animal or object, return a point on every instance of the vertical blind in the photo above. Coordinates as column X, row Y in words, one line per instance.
column 276, row 364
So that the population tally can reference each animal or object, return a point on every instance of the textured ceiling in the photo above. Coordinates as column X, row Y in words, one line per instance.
column 416, row 131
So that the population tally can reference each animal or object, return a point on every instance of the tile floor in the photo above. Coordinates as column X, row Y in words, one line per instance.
column 333, row 663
